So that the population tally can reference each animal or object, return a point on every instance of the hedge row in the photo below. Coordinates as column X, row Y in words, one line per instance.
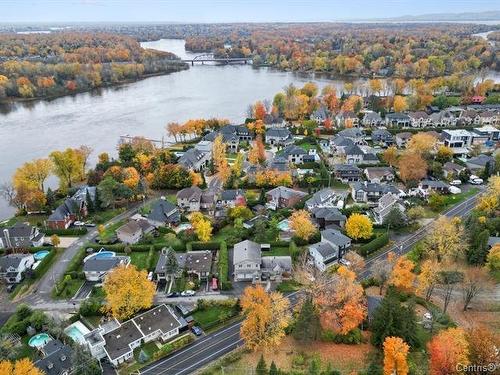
column 224, row 267
column 76, row 262
column 66, row 232
column 45, row 263
column 374, row 244
column 213, row 245
column 120, row 248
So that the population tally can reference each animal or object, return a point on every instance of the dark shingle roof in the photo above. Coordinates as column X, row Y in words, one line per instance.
column 164, row 212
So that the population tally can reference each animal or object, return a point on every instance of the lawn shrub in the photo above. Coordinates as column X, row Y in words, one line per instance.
column 375, row 244
column 66, row 232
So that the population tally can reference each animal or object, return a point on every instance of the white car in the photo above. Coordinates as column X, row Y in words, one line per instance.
column 456, row 182
column 476, row 181
column 454, row 190
column 78, row 223
column 188, row 293
column 344, row 262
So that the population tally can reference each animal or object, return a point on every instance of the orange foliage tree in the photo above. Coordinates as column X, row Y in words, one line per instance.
column 301, row 224
column 395, row 354
column 21, row 367
column 402, row 276
column 412, row 167
column 447, row 350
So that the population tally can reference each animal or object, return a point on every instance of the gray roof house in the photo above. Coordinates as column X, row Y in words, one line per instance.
column 320, row 114
column 326, row 217
column 397, row 119
column 383, row 137
column 283, row 197
column 279, row 137
column 276, row 267
column 194, row 159
column 428, row 186
column 371, row 192
column 247, row 261
column 20, row 236
column 96, row 268
column 132, row 231
column 347, row 172
column 451, row 169
column 322, row 198
column 195, row 262
column 379, row 174
column 385, row 204
column 163, row 213
column 14, row 266
column 402, row 139
column 294, row 154
column 231, row 198
column 189, row 199
column 478, row 163
column 57, row 358
column 332, row 247
column 371, row 119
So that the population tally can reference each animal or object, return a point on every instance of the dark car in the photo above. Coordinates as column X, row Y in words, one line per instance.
column 197, row 330
column 173, row 294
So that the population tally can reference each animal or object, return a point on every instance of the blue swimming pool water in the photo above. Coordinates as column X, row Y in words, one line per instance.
column 105, row 254
column 284, row 225
column 39, row 255
column 39, row 340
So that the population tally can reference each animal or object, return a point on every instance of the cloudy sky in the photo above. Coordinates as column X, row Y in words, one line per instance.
column 227, row 10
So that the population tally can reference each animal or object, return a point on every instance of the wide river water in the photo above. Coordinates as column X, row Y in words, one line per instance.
column 34, row 129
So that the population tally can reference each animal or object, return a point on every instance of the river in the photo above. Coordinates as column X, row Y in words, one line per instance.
column 33, row 129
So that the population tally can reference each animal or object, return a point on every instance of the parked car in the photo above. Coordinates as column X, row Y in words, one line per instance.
column 197, row 330
column 454, row 190
column 345, row 262
column 188, row 293
column 456, row 182
column 173, row 294
column 476, row 181
column 79, row 224
column 90, row 225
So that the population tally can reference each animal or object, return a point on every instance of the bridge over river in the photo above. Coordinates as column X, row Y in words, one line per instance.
column 209, row 57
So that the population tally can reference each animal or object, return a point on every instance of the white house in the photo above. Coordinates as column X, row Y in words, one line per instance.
column 96, row 267
column 247, row 260
column 13, row 267
column 332, row 247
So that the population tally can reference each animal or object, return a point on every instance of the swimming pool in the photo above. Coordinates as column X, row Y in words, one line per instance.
column 284, row 225
column 105, row 254
column 39, row 341
column 39, row 255
column 76, row 331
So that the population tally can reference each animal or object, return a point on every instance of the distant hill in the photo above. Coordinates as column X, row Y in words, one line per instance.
column 493, row 15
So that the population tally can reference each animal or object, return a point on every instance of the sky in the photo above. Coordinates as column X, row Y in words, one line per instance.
column 184, row 11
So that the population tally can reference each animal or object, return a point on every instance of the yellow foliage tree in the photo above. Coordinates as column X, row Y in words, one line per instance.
column 359, row 226
column 131, row 177
column 266, row 317
column 390, row 155
column 489, row 202
column 237, row 166
column 395, row 356
column 301, row 224
column 20, row 367
column 427, row 278
column 202, row 226
column 128, row 291
column 196, row 179
column 55, row 240
column 445, row 241
column 399, row 104
column 422, row 143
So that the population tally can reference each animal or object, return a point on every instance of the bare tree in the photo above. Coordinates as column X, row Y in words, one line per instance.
column 449, row 279
column 356, row 262
column 8, row 192
column 475, row 280
column 381, row 271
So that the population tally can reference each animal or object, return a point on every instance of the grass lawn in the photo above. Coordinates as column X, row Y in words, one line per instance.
column 105, row 215
column 110, row 230
column 98, row 292
column 179, row 285
column 224, row 233
column 213, row 316
column 276, row 251
column 307, row 146
column 70, row 289
column 288, row 286
column 453, row 199
column 32, row 219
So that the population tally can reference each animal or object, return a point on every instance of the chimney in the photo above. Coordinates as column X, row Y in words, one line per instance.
column 7, row 238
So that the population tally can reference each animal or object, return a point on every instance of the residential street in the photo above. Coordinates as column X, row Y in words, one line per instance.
column 223, row 341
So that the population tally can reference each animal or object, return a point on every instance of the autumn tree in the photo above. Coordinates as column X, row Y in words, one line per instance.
column 390, row 155
column 22, row 366
column 489, row 202
column 302, row 225
column 359, row 227
column 412, row 167
column 128, row 291
column 375, row 85
column 475, row 281
column 422, row 143
column 202, row 226
column 356, row 261
column 402, row 276
column 237, row 167
column 445, row 241
column 266, row 317
column 259, row 111
column 447, row 350
column 395, row 356
column 399, row 104
column 483, row 346
column 55, row 240
column 381, row 271
column 444, row 154
column 33, row 174
column 67, row 165
column 428, row 278
column 341, row 302
column 257, row 154
column 493, row 258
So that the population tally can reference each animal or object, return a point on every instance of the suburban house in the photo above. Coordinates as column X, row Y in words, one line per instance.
column 247, row 261
column 20, row 236
column 278, row 137
column 320, row 115
column 163, row 213
column 283, row 197
column 72, row 208
column 231, row 198
column 133, row 231
column 385, row 205
column 14, row 266
column 276, row 268
column 429, row 186
column 56, row 360
column 323, row 198
column 458, row 140
column 189, row 199
column 355, row 134
column 197, row 263
column 96, row 267
column 117, row 341
column 451, row 170
column 397, row 120
column 330, row 249
column 371, row 192
column 443, row 119
column 478, row 163
column 347, row 172
column 346, row 119
column 492, row 133
column 242, row 132
column 379, row 174
column 195, row 159
column 328, row 216
column 402, row 139
column 353, row 154
column 419, row 119
column 382, row 137
column 371, row 119
column 294, row 154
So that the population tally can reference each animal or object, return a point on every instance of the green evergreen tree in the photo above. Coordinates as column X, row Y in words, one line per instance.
column 478, row 250
column 307, row 327
column 486, row 172
column 393, row 319
column 89, row 202
column 273, row 370
column 395, row 218
column 51, row 198
column 314, row 367
column 83, row 363
column 203, row 181
column 262, row 197
column 261, row 368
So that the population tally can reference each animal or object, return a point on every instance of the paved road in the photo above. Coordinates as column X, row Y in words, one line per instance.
column 215, row 345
